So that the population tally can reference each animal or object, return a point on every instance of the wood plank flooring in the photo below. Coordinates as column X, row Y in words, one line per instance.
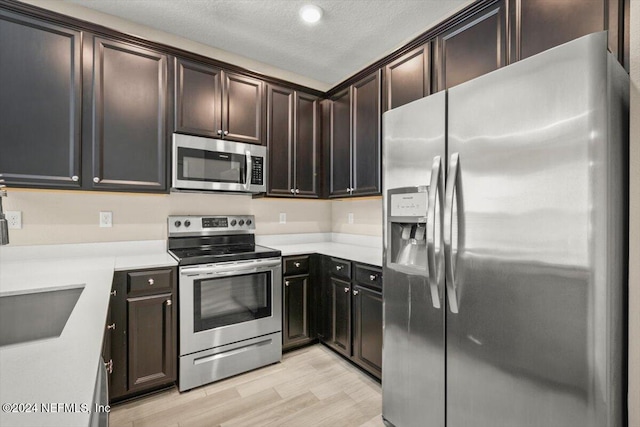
column 310, row 387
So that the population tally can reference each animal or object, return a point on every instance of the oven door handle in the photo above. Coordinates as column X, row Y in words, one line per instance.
column 255, row 266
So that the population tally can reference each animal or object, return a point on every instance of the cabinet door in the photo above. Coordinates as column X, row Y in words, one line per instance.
column 340, row 145
column 280, row 106
column 296, row 315
column 472, row 48
column 548, row 23
column 242, row 108
column 128, row 119
column 307, row 146
column 367, row 340
column 152, row 352
column 341, row 316
column 366, row 135
column 408, row 78
column 198, row 100
column 40, row 103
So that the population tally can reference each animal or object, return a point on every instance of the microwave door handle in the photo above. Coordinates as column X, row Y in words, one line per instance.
column 247, row 182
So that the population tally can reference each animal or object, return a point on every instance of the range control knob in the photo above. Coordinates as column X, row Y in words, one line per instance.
column 248, row 222
column 233, row 222
column 187, row 223
column 177, row 223
column 241, row 222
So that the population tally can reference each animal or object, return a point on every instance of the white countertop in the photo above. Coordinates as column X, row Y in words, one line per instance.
column 63, row 369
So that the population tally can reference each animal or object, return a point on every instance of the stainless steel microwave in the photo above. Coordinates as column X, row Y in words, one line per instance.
column 206, row 164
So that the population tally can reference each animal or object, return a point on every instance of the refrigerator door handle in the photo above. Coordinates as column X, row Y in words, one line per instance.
column 436, row 194
column 452, row 183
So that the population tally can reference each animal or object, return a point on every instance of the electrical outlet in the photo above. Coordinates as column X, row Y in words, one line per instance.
column 106, row 219
column 14, row 219
column 350, row 218
column 283, row 218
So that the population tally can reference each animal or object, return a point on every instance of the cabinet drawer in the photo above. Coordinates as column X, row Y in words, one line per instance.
column 296, row 265
column 149, row 282
column 368, row 275
column 340, row 268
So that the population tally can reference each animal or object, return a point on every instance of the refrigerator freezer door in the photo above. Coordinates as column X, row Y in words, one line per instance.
column 536, row 249
column 413, row 352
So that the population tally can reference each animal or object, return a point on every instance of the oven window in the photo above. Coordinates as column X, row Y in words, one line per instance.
column 211, row 166
column 229, row 300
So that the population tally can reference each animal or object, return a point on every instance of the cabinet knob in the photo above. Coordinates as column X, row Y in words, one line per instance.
column 96, row 179
column 355, row 293
column 112, row 326
column 219, row 132
column 346, row 290
column 286, row 283
column 114, row 293
column 372, row 277
column 297, row 191
column 151, row 281
column 168, row 302
column 297, row 264
column 339, row 267
column 109, row 366
column 226, row 132
column 75, row 178
column 292, row 191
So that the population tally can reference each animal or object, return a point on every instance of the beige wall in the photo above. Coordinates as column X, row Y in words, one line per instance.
column 367, row 216
column 53, row 217
column 634, row 217
column 152, row 34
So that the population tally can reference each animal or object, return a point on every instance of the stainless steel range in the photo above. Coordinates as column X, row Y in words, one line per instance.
column 230, row 293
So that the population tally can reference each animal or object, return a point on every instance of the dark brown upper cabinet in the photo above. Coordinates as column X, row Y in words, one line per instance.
column 126, row 116
column 355, row 139
column 407, row 78
column 40, row 103
column 473, row 47
column 293, row 140
column 544, row 24
column 219, row 104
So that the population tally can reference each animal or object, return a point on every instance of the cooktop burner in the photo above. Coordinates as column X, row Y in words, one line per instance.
column 208, row 239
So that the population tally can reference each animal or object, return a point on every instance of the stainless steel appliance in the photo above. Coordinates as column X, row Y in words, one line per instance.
column 230, row 296
column 503, row 288
column 4, row 226
column 206, row 164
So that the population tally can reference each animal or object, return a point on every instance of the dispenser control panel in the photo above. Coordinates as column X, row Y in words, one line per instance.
column 409, row 204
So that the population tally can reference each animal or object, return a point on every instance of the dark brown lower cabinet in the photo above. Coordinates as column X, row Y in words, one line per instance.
column 295, row 316
column 142, row 332
column 367, row 329
column 341, row 316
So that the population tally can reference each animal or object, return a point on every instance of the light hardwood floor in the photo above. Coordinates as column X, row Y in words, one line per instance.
column 310, row 387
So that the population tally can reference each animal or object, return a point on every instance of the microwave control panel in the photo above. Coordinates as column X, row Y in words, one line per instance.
column 257, row 165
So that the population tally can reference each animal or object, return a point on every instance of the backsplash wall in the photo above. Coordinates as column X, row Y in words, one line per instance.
column 57, row 217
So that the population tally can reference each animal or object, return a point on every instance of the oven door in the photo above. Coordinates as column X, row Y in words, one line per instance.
column 218, row 165
column 227, row 302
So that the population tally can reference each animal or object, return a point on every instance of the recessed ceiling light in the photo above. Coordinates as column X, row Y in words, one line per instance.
column 310, row 13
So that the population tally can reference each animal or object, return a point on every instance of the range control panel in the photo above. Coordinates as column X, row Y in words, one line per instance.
column 210, row 224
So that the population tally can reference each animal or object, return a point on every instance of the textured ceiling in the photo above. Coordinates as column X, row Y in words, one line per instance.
column 351, row 35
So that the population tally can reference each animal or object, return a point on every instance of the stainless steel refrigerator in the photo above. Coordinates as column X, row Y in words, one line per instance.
column 505, row 247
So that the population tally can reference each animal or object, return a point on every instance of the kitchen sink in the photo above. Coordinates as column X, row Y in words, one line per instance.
column 38, row 314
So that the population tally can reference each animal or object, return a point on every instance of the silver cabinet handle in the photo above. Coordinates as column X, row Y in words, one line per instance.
column 452, row 183
column 435, row 196
column 109, row 366
column 292, row 191
column 219, row 132
column 96, row 179
column 114, row 293
column 168, row 302
column 226, row 132
column 297, row 264
column 75, row 178
column 372, row 277
column 346, row 290
column 151, row 282
column 286, row 283
column 355, row 293
column 339, row 267
column 112, row 326
column 297, row 191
